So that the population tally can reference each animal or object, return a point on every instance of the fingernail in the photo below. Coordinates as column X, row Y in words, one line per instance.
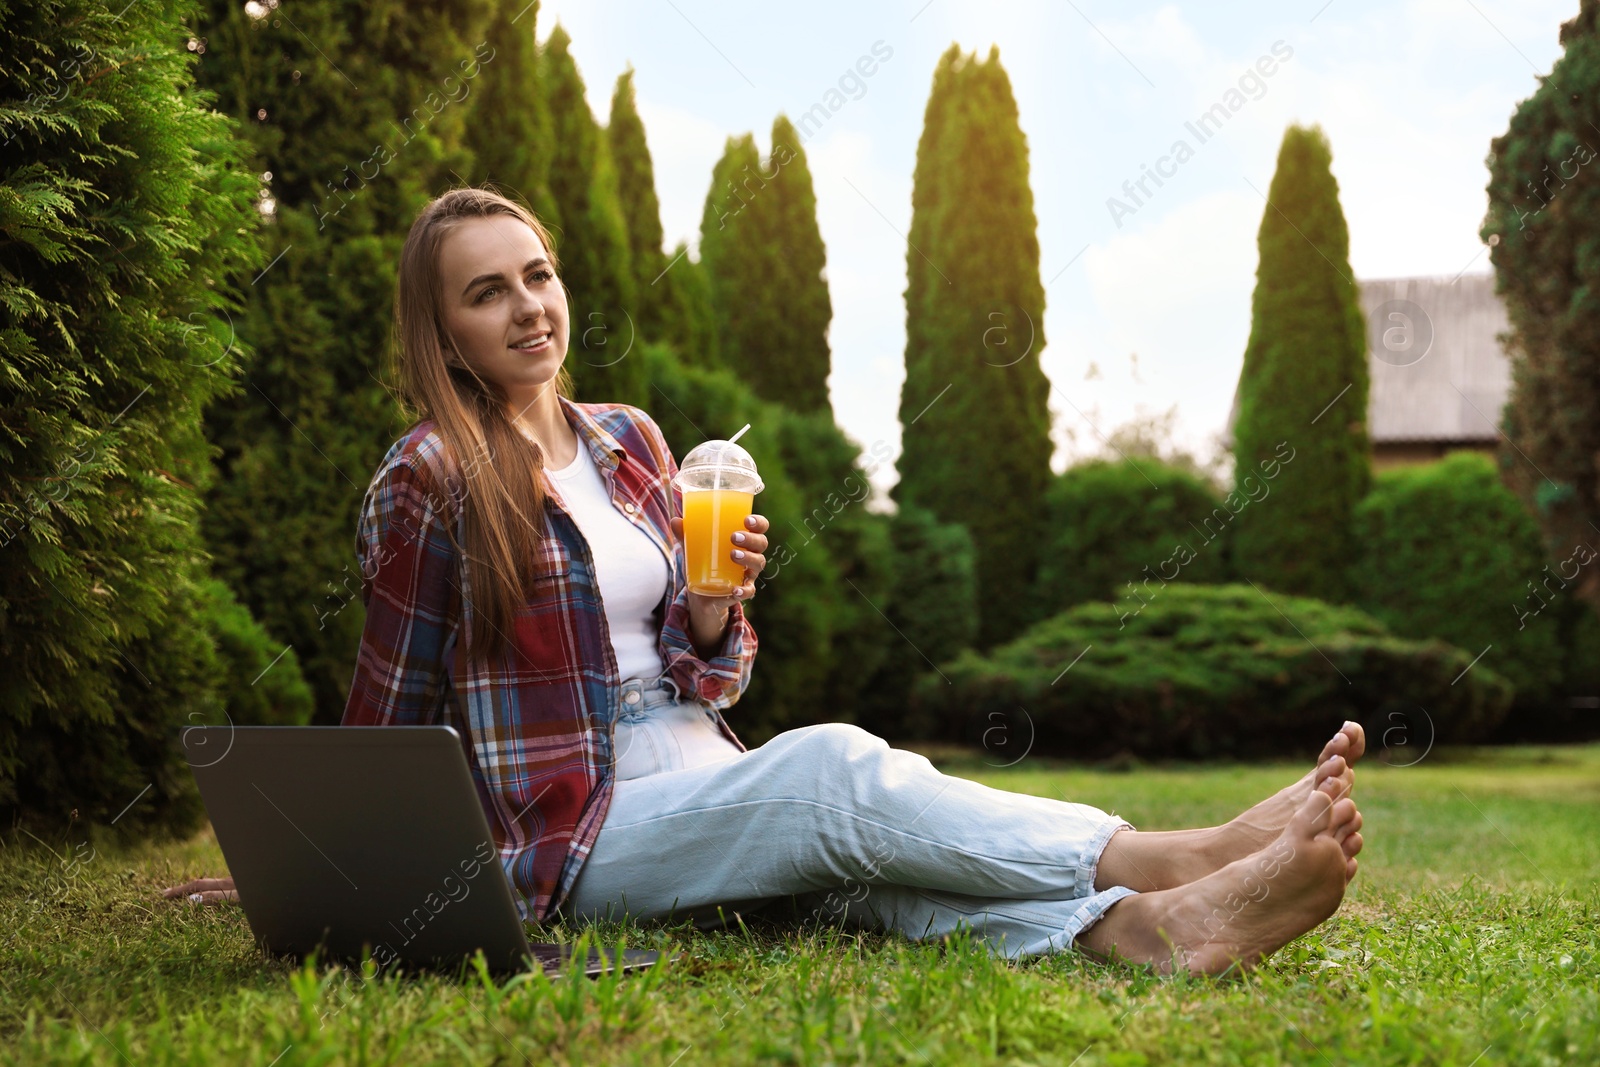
column 738, row 537
column 750, row 521
column 738, row 553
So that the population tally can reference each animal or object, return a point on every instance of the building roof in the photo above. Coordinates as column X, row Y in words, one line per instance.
column 1438, row 370
column 1456, row 390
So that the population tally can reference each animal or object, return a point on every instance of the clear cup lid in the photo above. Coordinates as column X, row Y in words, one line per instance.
column 718, row 465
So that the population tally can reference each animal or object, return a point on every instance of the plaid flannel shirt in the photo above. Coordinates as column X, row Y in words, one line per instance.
column 536, row 721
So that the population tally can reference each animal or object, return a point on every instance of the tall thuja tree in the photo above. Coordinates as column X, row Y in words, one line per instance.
column 793, row 366
column 1307, row 351
column 918, row 389
column 356, row 116
column 976, row 440
column 737, row 266
column 509, row 129
column 671, row 292
column 641, row 210
column 758, row 237
column 1543, row 226
column 592, row 238
column 126, row 230
column 673, row 296
column 689, row 321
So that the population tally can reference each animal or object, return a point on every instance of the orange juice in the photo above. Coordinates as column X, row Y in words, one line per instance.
column 710, row 516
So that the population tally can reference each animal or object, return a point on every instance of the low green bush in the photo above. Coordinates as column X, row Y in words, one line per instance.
column 827, row 556
column 1205, row 671
column 1140, row 521
column 1574, row 714
column 930, row 616
column 1447, row 551
column 1582, row 642
column 261, row 681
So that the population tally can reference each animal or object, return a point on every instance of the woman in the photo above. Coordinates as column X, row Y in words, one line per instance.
column 524, row 581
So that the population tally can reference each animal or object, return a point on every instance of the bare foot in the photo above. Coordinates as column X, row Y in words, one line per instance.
column 1164, row 859
column 1238, row 916
column 1261, row 825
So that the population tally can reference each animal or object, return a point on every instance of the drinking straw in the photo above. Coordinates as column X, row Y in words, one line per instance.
column 738, row 435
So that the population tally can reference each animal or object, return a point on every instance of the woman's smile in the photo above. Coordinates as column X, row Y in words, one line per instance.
column 539, row 342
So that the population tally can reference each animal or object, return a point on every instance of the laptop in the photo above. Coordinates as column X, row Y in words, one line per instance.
column 341, row 838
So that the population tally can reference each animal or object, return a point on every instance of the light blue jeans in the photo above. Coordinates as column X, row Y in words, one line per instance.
column 837, row 825
column 656, row 731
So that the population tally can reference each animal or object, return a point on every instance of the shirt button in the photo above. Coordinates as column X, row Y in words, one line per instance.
column 631, row 697
column 629, row 508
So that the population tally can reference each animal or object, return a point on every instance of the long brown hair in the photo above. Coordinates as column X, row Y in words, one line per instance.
column 505, row 496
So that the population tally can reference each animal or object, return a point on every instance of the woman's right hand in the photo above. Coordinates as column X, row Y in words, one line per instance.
column 204, row 891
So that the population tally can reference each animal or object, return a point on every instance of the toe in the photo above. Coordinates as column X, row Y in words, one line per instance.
column 1343, row 818
column 1312, row 817
column 1358, row 740
column 1341, row 784
column 1334, row 787
column 1351, row 845
column 1350, row 866
column 1332, row 767
column 1336, row 746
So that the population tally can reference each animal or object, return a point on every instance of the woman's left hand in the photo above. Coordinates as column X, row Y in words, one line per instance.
column 746, row 547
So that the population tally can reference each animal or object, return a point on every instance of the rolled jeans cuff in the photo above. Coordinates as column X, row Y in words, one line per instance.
column 1084, row 886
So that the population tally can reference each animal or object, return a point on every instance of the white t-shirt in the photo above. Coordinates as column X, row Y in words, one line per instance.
column 630, row 570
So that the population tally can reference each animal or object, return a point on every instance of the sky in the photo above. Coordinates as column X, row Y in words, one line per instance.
column 1147, row 312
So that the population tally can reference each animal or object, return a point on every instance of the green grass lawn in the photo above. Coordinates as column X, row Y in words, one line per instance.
column 1469, row 937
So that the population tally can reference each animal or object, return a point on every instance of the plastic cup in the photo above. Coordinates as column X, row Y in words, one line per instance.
column 719, row 482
